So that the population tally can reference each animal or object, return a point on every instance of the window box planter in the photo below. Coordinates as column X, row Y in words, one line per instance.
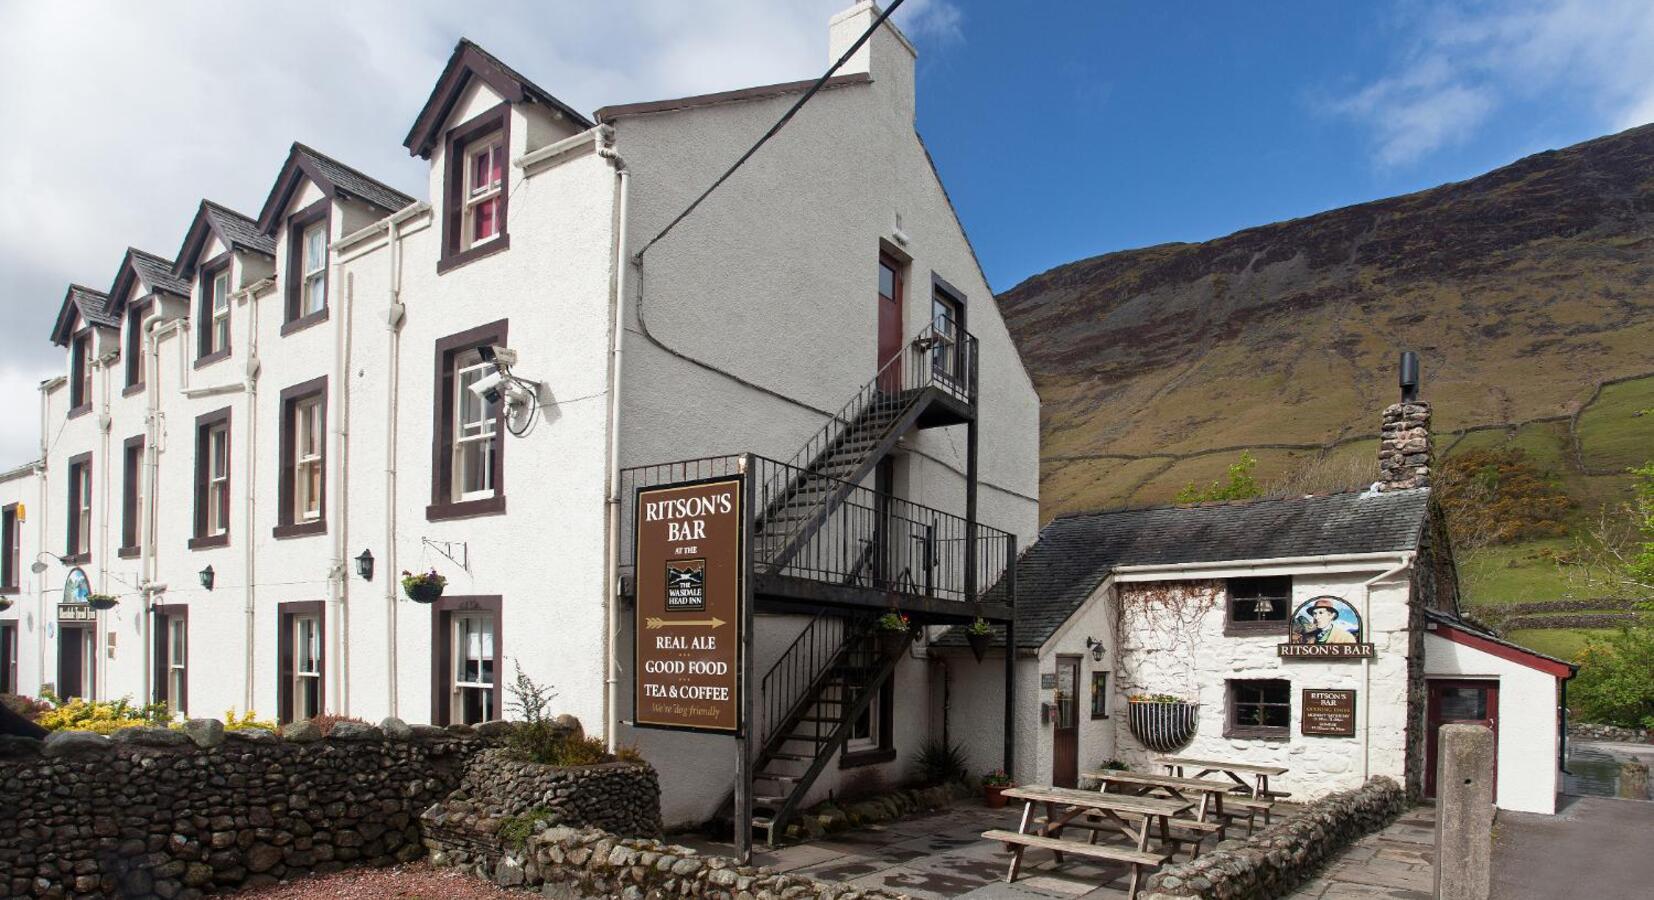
column 101, row 602
column 1163, row 724
column 426, row 588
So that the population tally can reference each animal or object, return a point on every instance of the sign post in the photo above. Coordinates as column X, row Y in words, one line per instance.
column 692, row 634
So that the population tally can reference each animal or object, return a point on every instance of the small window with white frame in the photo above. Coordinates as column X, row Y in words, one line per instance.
column 475, row 421
column 83, row 511
column 484, row 186
column 177, row 664
column 472, row 695
column 307, row 459
column 220, row 306
column 313, row 290
column 307, row 667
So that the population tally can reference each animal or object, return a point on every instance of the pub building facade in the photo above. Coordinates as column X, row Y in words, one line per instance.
column 1320, row 633
column 256, row 434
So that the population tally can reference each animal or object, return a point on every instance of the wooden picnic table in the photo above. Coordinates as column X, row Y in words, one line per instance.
column 1210, row 790
column 1258, row 789
column 1136, row 817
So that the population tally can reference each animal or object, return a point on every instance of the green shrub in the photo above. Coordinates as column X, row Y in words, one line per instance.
column 539, row 739
column 940, row 763
column 516, row 831
column 1615, row 684
column 325, row 722
column 1242, row 485
column 101, row 716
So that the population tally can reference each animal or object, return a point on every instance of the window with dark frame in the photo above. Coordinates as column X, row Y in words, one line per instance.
column 474, row 221
column 212, row 480
column 8, row 657
column 1258, row 605
column 872, row 737
column 11, row 550
column 467, row 652
column 307, row 255
column 132, row 496
column 302, row 489
column 171, row 656
column 80, row 373
column 77, row 548
column 948, row 320
column 301, row 661
column 468, row 450
column 136, row 315
column 213, row 322
column 1099, row 695
column 1260, row 708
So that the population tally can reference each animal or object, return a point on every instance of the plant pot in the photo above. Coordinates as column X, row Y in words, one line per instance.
column 1164, row 726
column 423, row 592
column 994, row 795
column 893, row 643
column 101, row 603
column 979, row 644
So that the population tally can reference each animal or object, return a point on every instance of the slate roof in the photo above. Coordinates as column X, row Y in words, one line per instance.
column 1075, row 553
column 157, row 272
column 94, row 309
column 471, row 61
column 237, row 230
column 353, row 181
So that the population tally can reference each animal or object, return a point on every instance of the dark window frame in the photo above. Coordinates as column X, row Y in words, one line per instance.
column 204, row 424
column 11, row 545
column 442, row 658
column 286, row 525
column 1099, row 691
column 461, row 137
column 164, row 614
column 1254, row 626
column 8, row 656
column 319, row 212
column 206, row 272
column 886, row 749
column 132, row 473
column 75, row 466
column 950, row 296
column 1235, row 729
column 80, row 373
column 285, row 614
column 136, row 314
column 443, row 506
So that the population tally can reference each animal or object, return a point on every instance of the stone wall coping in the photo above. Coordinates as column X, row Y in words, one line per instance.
column 206, row 735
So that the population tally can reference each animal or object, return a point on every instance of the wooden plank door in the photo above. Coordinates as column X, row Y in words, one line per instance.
column 890, row 324
column 1457, row 702
column 1065, row 730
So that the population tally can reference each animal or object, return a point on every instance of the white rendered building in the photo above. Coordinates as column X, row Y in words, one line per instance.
column 241, row 426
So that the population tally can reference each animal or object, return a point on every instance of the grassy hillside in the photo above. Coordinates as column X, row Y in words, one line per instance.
column 1528, row 292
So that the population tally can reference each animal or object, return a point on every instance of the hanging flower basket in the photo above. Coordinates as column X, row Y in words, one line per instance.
column 894, row 630
column 1163, row 723
column 426, row 588
column 101, row 602
column 979, row 635
column 5, row 603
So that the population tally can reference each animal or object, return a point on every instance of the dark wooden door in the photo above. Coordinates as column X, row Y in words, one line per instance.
column 72, row 652
column 1065, row 731
column 1459, row 703
column 8, row 657
column 890, row 324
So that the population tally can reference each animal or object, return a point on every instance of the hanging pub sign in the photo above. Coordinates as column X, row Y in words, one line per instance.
column 1328, row 713
column 689, row 615
column 1325, row 628
column 77, row 588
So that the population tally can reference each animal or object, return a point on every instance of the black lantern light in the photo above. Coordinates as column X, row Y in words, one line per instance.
column 364, row 565
column 1096, row 648
column 207, row 577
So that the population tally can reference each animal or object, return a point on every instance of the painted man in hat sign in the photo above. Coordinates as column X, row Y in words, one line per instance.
column 1321, row 625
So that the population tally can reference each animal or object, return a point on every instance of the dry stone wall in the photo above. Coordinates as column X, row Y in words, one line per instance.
column 168, row 813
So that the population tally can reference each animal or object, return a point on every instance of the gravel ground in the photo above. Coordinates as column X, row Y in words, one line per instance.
column 415, row 880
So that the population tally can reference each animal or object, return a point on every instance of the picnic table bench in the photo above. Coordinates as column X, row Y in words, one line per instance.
column 1133, row 816
column 1258, row 796
column 1210, row 793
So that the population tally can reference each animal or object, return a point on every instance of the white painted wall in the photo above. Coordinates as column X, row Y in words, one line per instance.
column 1528, row 731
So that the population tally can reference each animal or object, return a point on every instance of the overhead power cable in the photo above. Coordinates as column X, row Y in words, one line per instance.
column 774, row 129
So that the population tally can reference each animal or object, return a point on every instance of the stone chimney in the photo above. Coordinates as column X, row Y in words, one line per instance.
column 1405, row 448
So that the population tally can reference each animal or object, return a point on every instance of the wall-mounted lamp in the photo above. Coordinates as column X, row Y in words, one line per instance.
column 37, row 566
column 207, row 577
column 364, row 565
column 1096, row 648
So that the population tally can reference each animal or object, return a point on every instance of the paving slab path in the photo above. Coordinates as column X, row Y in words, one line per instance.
column 1396, row 863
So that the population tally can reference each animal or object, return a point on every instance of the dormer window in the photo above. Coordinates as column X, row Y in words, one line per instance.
column 220, row 312
column 484, row 175
column 80, row 374
column 314, row 298
column 476, row 195
column 306, row 279
column 214, row 322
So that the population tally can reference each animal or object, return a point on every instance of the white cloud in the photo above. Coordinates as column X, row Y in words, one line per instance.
column 121, row 116
column 1464, row 61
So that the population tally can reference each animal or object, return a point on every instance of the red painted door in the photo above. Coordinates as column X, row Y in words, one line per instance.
column 1065, row 730
column 890, row 324
column 1459, row 703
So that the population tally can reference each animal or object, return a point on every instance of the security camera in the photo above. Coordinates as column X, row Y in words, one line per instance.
column 500, row 357
column 489, row 387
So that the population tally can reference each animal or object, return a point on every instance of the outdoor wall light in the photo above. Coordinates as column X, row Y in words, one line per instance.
column 37, row 566
column 207, row 577
column 364, row 565
column 1096, row 648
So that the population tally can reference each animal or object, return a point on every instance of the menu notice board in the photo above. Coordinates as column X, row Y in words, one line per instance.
column 689, row 615
column 1328, row 713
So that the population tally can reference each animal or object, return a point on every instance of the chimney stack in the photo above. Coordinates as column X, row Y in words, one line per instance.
column 1404, row 442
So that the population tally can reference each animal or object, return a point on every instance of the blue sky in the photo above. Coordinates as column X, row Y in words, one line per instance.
column 1062, row 129
column 1065, row 130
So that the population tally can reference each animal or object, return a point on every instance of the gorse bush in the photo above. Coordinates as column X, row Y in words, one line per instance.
column 1498, row 496
column 1241, row 485
column 102, row 716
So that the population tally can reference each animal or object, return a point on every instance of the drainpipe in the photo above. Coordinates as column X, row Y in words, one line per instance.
column 393, row 323
column 249, row 591
column 105, row 424
column 617, row 331
column 341, row 525
column 152, row 467
column 1367, row 663
column 40, row 543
